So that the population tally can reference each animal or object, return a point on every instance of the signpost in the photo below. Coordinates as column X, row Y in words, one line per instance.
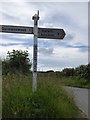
column 35, row 31
column 47, row 33
column 16, row 29
column 50, row 33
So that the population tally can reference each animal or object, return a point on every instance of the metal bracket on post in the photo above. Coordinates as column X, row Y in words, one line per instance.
column 35, row 31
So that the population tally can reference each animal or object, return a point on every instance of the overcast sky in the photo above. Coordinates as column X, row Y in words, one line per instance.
column 53, row 54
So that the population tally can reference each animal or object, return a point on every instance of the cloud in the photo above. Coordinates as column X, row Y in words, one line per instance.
column 14, row 39
column 60, row 19
column 69, row 37
column 5, row 49
column 61, row 58
column 8, row 16
column 52, row 54
column 17, row 13
column 13, row 44
column 82, row 48
column 46, row 51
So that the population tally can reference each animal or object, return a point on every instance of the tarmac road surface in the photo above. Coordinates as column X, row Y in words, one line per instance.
column 81, row 97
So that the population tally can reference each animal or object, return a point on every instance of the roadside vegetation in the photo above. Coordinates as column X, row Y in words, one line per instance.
column 74, row 81
column 49, row 101
column 76, row 77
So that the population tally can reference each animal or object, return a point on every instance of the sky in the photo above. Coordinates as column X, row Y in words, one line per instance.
column 53, row 54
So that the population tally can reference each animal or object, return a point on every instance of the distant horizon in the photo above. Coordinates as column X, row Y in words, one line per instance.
column 59, row 70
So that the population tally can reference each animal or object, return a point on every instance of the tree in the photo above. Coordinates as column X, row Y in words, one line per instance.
column 18, row 61
column 68, row 71
column 88, row 70
column 82, row 71
column 5, row 66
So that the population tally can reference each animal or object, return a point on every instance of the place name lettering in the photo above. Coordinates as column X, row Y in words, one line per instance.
column 17, row 29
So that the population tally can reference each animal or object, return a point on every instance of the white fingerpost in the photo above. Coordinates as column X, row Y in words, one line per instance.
column 47, row 33
column 35, row 31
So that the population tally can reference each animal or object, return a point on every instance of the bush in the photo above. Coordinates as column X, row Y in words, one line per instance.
column 17, row 61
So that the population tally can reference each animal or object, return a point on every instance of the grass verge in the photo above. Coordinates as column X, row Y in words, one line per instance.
column 49, row 101
column 76, row 82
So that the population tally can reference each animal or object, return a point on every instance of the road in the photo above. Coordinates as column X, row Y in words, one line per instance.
column 81, row 97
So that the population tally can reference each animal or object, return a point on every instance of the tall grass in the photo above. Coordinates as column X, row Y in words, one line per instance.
column 49, row 101
column 76, row 82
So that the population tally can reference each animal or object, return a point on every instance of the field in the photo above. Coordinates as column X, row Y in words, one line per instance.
column 74, row 81
column 49, row 101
